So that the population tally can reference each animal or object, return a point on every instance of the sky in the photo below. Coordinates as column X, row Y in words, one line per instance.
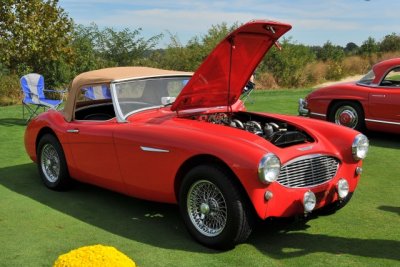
column 314, row 22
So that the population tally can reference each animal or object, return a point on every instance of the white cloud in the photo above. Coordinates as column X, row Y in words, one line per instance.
column 311, row 19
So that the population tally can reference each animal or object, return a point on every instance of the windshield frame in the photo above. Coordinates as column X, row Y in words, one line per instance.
column 121, row 116
column 367, row 79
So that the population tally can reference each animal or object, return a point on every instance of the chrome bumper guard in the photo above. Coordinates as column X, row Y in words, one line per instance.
column 303, row 111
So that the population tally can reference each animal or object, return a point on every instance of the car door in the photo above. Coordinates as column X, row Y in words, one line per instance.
column 90, row 137
column 148, row 161
column 384, row 100
column 93, row 151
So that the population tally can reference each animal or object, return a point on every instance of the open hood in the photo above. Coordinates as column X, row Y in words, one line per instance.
column 220, row 79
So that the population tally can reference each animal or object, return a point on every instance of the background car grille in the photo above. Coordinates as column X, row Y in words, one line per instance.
column 308, row 171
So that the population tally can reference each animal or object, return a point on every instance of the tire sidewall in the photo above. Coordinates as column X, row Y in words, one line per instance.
column 235, row 209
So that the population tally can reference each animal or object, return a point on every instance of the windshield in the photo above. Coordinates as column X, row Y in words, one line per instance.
column 368, row 78
column 141, row 94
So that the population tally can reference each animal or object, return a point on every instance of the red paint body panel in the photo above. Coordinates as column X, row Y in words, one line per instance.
column 109, row 154
column 141, row 154
column 381, row 104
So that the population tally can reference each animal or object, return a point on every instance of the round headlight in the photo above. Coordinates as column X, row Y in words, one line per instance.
column 342, row 187
column 309, row 201
column 359, row 148
column 269, row 168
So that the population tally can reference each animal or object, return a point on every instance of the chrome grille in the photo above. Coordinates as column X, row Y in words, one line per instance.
column 307, row 171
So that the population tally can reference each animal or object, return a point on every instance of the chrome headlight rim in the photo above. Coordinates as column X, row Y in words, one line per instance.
column 309, row 201
column 360, row 146
column 343, row 188
column 269, row 168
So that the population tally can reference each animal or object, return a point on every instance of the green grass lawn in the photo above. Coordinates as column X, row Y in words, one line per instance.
column 37, row 224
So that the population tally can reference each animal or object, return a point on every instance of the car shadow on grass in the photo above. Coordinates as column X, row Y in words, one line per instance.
column 390, row 209
column 12, row 122
column 287, row 240
column 160, row 225
column 143, row 221
column 385, row 140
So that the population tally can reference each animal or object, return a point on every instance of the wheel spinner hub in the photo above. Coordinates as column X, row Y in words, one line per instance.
column 346, row 116
column 207, row 208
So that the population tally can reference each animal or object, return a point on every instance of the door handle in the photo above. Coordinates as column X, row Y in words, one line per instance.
column 376, row 95
column 72, row 131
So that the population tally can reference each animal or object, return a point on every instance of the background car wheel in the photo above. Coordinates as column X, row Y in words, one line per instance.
column 349, row 114
column 52, row 164
column 213, row 208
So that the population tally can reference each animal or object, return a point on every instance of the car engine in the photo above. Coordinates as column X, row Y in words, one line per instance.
column 277, row 132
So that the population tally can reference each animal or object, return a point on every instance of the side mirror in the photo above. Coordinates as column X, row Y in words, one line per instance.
column 166, row 100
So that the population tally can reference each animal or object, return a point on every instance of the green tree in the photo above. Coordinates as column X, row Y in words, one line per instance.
column 85, row 57
column 35, row 35
column 369, row 47
column 188, row 57
column 390, row 43
column 351, row 48
column 330, row 52
column 287, row 65
column 122, row 48
column 95, row 48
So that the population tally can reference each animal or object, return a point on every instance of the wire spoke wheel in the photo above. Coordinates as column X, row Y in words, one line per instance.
column 207, row 208
column 50, row 163
column 213, row 208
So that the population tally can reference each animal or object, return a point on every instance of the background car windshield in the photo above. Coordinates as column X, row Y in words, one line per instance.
column 368, row 78
column 141, row 94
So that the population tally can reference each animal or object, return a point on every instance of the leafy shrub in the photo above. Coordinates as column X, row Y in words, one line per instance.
column 10, row 92
column 287, row 65
column 355, row 65
column 335, row 71
column 316, row 72
column 265, row 80
column 389, row 55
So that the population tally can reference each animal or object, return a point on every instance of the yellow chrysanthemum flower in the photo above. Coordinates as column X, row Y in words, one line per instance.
column 96, row 256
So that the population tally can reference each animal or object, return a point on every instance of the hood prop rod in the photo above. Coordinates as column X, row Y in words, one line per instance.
column 232, row 46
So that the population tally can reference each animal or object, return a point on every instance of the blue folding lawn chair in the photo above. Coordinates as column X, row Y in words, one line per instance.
column 246, row 92
column 97, row 92
column 33, row 88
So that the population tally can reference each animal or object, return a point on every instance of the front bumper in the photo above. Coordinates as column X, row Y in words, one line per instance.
column 283, row 201
column 303, row 111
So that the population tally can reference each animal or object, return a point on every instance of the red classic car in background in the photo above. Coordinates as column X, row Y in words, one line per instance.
column 373, row 102
column 179, row 137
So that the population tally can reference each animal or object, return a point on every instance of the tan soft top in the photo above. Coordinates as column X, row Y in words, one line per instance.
column 106, row 76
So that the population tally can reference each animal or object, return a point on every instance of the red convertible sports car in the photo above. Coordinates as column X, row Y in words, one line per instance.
column 184, row 138
column 373, row 102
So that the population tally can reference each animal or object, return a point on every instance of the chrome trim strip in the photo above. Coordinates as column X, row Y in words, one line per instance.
column 189, row 75
column 141, row 109
column 384, row 122
column 318, row 114
column 72, row 131
column 152, row 149
column 310, row 156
